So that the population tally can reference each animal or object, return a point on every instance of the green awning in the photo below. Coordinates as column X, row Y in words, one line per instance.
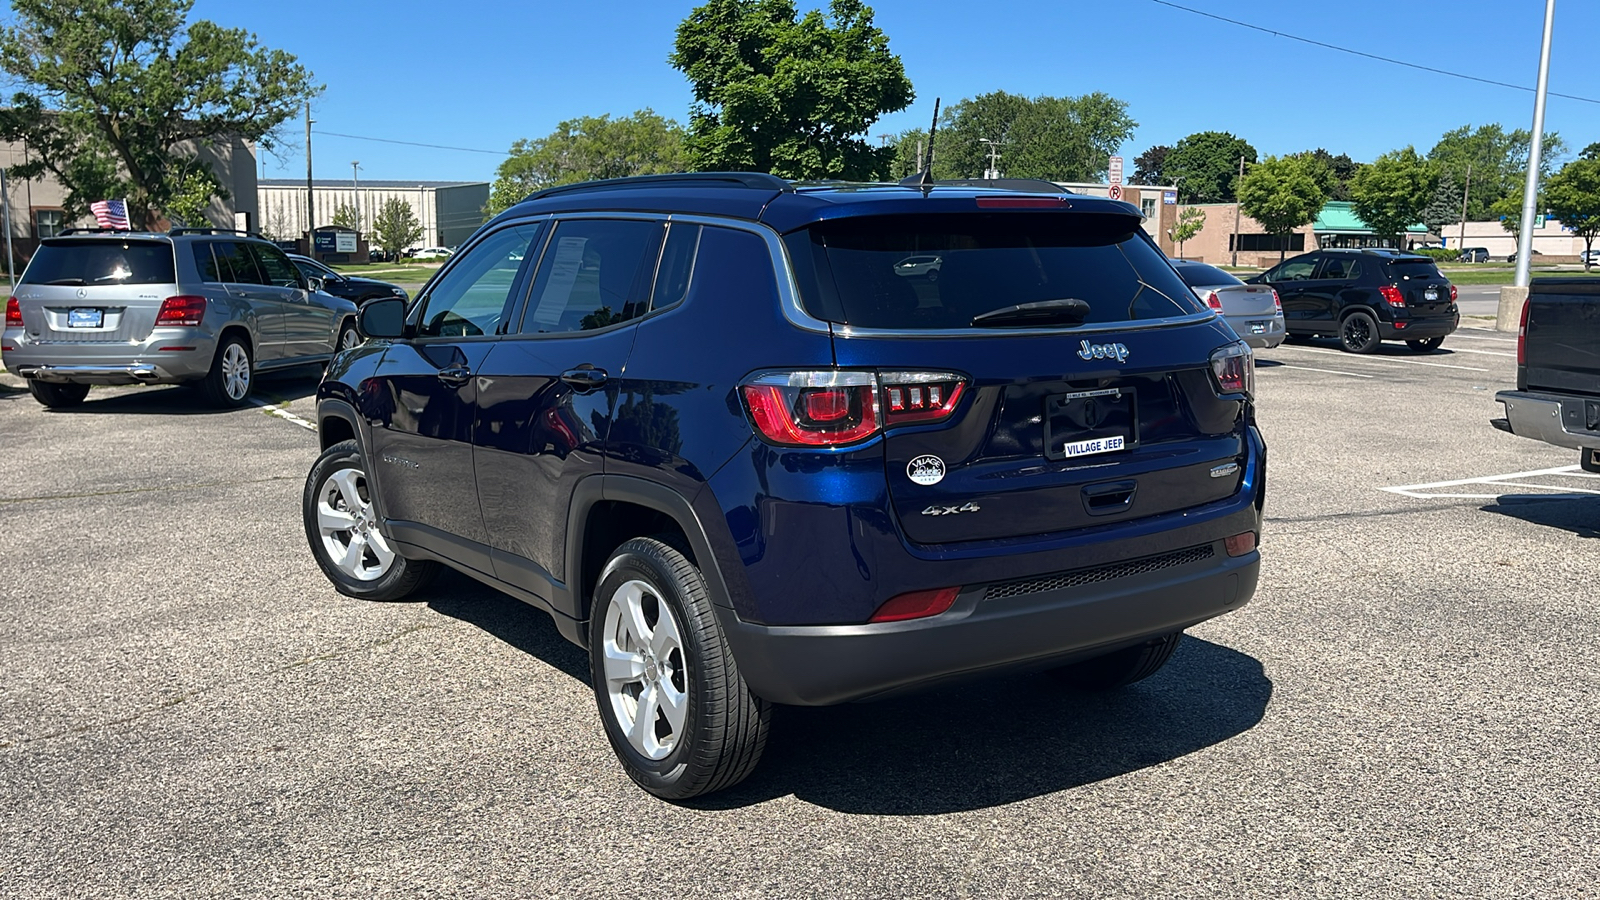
column 1339, row 217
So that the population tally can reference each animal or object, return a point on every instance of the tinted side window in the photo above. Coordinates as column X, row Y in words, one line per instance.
column 279, row 271
column 677, row 265
column 206, row 263
column 236, row 260
column 594, row 273
column 92, row 262
column 1294, row 270
column 471, row 298
column 1341, row 268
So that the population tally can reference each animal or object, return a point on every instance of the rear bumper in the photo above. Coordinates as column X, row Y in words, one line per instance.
column 1551, row 418
column 983, row 633
column 145, row 362
column 1416, row 329
column 1272, row 337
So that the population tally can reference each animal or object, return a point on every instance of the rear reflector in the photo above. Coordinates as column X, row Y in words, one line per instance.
column 184, row 309
column 1240, row 544
column 1522, row 335
column 13, row 313
column 1023, row 203
column 917, row 605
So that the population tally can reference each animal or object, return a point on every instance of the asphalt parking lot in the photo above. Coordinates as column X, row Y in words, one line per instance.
column 1405, row 709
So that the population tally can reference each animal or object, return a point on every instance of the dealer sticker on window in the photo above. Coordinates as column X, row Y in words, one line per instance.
column 1099, row 445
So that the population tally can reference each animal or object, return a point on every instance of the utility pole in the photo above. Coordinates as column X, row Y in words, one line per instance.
column 994, row 158
column 1236, row 216
column 356, row 180
column 5, row 202
column 883, row 139
column 919, row 154
column 311, row 209
column 1530, row 193
column 1464, row 195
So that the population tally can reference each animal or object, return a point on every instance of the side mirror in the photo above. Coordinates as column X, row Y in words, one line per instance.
column 382, row 317
column 315, row 284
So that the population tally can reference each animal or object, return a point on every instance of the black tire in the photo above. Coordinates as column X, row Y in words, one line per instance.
column 57, row 396
column 1123, row 667
column 1426, row 345
column 725, row 726
column 220, row 384
column 1358, row 333
column 402, row 577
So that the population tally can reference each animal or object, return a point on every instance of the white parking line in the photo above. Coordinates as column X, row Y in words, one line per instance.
column 1384, row 359
column 281, row 413
column 1509, row 480
column 1484, row 352
column 1459, row 336
column 1326, row 371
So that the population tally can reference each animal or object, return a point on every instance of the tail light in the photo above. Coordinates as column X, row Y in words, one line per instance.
column 1277, row 304
column 1453, row 293
column 1240, row 544
column 1214, row 301
column 1392, row 294
column 827, row 408
column 1234, row 366
column 13, row 313
column 1522, row 336
column 915, row 605
column 184, row 309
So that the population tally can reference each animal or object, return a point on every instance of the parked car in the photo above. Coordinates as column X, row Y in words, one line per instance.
column 744, row 463
column 432, row 253
column 349, row 287
column 378, row 254
column 1253, row 311
column 918, row 267
column 1473, row 255
column 1513, row 257
column 201, row 306
column 1590, row 258
column 1558, row 343
column 1364, row 297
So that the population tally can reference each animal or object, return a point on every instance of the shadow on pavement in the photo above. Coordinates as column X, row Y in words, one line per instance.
column 186, row 400
column 1579, row 515
column 980, row 745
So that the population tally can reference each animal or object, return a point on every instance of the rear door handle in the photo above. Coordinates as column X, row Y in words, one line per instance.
column 1112, row 497
column 455, row 375
column 585, row 378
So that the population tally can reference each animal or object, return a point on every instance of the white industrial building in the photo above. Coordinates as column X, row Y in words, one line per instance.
column 449, row 211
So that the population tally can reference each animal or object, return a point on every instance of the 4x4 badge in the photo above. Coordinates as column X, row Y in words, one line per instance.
column 926, row 469
column 951, row 510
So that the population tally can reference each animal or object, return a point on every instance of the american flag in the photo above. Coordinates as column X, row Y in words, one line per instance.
column 111, row 214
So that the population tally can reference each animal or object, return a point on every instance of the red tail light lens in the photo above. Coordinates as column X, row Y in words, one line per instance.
column 1235, row 368
column 1522, row 336
column 1277, row 304
column 13, row 313
column 1392, row 294
column 825, row 408
column 1213, row 301
column 916, row 605
column 920, row 396
column 1023, row 203
column 1453, row 293
column 184, row 309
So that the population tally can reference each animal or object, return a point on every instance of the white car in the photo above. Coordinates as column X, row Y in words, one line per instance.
column 432, row 253
column 1254, row 311
column 919, row 267
column 1590, row 258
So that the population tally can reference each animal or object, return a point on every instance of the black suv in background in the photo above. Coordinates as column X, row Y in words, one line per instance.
column 729, row 433
column 1363, row 297
column 356, row 290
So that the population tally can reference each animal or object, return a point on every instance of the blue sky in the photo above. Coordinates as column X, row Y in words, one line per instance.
column 483, row 73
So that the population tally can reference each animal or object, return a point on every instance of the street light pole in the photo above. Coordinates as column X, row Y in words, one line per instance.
column 355, row 179
column 1464, row 195
column 5, row 202
column 1236, row 215
column 1530, row 193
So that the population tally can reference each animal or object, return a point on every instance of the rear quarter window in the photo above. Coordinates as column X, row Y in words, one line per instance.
column 941, row 271
column 1205, row 276
column 100, row 262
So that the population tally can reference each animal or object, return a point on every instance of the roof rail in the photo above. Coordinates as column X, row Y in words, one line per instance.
column 80, row 230
column 1031, row 185
column 210, row 230
column 752, row 180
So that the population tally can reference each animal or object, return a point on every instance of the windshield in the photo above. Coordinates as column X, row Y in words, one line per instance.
column 100, row 262
column 942, row 271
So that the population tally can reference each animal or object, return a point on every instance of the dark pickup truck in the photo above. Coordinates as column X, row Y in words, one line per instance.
column 1557, row 399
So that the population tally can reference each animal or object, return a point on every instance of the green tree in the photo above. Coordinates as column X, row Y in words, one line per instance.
column 1444, row 207
column 793, row 96
column 1499, row 161
column 1067, row 138
column 118, row 96
column 346, row 215
column 1281, row 193
column 1333, row 173
column 193, row 195
column 1591, row 152
column 1150, row 166
column 909, row 148
column 963, row 126
column 1191, row 221
column 589, row 148
column 1391, row 193
column 1573, row 197
column 395, row 227
column 1205, row 166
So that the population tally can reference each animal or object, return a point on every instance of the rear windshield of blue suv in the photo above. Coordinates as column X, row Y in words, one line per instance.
column 94, row 262
column 941, row 271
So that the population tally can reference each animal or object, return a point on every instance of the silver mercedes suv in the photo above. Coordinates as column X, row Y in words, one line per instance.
column 198, row 306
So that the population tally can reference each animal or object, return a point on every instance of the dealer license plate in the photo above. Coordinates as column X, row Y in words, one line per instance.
column 1085, row 423
column 1258, row 328
column 85, row 318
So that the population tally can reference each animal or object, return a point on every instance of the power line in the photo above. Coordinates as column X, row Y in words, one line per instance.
column 359, row 137
column 1396, row 62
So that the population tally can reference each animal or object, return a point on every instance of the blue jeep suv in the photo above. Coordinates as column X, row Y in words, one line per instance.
column 738, row 449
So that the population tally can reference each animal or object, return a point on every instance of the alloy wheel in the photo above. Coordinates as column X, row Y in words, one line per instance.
column 236, row 371
column 646, row 677
column 349, row 339
column 1356, row 332
column 348, row 526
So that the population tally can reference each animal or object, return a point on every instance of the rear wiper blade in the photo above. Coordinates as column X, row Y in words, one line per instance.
column 1065, row 311
column 67, row 281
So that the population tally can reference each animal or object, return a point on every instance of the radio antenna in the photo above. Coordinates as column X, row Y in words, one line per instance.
column 924, row 179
